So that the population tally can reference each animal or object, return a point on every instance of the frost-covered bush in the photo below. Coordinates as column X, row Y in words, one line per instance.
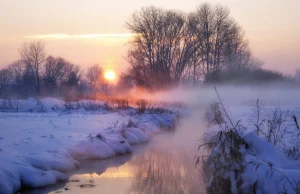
column 276, row 127
column 225, row 163
column 213, row 114
column 7, row 104
column 255, row 159
column 271, row 125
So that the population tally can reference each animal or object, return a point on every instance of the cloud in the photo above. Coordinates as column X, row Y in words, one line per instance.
column 79, row 36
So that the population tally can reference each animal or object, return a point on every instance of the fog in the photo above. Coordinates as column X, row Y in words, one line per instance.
column 192, row 126
column 271, row 94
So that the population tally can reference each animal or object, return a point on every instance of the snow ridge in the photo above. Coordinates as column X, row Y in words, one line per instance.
column 39, row 140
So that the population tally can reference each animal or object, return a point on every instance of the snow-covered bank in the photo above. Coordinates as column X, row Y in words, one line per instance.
column 259, row 153
column 39, row 140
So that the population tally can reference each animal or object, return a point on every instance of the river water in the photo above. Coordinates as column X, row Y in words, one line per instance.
column 164, row 165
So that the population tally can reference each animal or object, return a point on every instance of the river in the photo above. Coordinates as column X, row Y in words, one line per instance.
column 164, row 165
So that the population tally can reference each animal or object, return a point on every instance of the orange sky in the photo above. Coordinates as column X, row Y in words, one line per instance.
column 92, row 31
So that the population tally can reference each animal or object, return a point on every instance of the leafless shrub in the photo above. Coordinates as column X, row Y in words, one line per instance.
column 273, row 128
column 107, row 106
column 276, row 127
column 213, row 114
column 141, row 106
column 122, row 103
column 226, row 155
column 153, row 107
column 86, row 105
column 295, row 185
column 69, row 106
column 296, row 121
column 158, row 110
column 6, row 105
column 257, row 108
column 294, row 151
column 90, row 105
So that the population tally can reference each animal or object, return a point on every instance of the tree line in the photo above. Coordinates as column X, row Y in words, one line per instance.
column 36, row 74
column 169, row 48
column 206, row 45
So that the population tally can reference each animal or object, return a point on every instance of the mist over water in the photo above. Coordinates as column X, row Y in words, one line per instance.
column 167, row 164
column 196, row 97
column 193, row 125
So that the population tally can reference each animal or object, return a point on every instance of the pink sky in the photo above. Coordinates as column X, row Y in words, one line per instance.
column 272, row 27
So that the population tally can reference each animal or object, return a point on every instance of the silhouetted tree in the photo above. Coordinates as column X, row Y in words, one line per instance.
column 162, row 47
column 5, row 76
column 70, row 88
column 17, row 69
column 125, row 82
column 221, row 43
column 73, row 75
column 135, row 76
column 169, row 46
column 28, row 83
column 33, row 54
column 55, row 72
column 94, row 76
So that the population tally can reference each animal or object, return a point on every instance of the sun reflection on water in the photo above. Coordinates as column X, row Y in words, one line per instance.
column 124, row 171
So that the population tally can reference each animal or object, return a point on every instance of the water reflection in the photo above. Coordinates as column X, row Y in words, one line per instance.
column 157, row 168
column 165, row 170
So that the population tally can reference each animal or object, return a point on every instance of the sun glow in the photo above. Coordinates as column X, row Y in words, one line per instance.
column 110, row 75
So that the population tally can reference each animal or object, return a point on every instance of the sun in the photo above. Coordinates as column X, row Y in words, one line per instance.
column 110, row 75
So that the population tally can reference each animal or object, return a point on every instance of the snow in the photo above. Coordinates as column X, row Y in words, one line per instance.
column 267, row 167
column 42, row 139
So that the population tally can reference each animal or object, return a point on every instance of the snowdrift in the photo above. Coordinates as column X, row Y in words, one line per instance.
column 39, row 140
column 266, row 166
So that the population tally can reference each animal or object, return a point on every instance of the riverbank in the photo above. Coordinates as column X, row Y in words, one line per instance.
column 44, row 139
column 151, row 168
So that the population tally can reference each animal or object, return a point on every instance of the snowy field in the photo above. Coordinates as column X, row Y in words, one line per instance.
column 40, row 140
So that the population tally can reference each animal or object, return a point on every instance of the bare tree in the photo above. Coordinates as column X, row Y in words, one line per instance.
column 33, row 54
column 17, row 69
column 94, row 75
column 136, row 75
column 222, row 47
column 55, row 72
column 170, row 46
column 73, row 75
column 70, row 88
column 5, row 76
column 162, row 48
